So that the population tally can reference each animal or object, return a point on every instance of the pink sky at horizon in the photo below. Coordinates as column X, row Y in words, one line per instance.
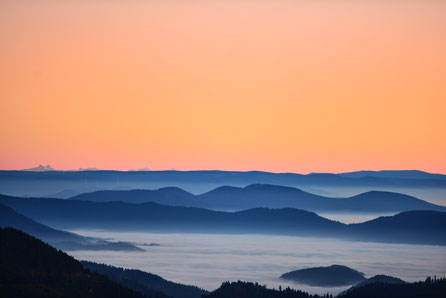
column 279, row 86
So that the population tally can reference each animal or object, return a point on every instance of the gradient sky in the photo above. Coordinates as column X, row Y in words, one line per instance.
column 283, row 86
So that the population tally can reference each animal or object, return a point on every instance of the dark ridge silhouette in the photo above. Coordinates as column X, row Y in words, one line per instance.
column 75, row 214
column 166, row 196
column 39, row 168
column 381, row 278
column 410, row 227
column 273, row 196
column 144, row 282
column 331, row 276
column 242, row 289
column 409, row 174
column 417, row 227
column 268, row 196
column 431, row 288
column 60, row 239
column 63, row 194
column 32, row 268
column 23, row 183
column 375, row 279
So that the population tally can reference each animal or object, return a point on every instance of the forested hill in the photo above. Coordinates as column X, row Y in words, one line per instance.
column 31, row 268
column 431, row 288
column 145, row 282
column 242, row 289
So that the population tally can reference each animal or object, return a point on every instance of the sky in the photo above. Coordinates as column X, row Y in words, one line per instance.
column 281, row 86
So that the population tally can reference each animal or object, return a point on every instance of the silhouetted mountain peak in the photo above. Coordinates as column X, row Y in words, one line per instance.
column 385, row 195
column 382, row 278
column 223, row 189
column 40, row 168
column 174, row 190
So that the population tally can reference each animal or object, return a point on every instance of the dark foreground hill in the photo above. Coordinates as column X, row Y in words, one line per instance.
column 268, row 196
column 60, row 239
column 144, row 282
column 416, row 227
column 331, row 276
column 430, row 288
column 242, row 289
column 375, row 279
column 32, row 268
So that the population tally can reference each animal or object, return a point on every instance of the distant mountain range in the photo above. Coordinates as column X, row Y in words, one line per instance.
column 38, row 183
column 423, row 227
column 60, row 239
column 48, row 168
column 269, row 196
column 413, row 174
column 39, row 168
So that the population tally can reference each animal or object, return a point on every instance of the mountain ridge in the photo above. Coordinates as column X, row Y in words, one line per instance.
column 22, row 183
column 60, row 239
column 416, row 227
column 32, row 268
column 266, row 195
column 144, row 282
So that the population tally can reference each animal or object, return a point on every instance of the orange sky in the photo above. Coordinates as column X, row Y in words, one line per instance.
column 283, row 86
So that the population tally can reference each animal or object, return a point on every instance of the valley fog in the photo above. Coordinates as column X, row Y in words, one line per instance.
column 207, row 260
column 349, row 218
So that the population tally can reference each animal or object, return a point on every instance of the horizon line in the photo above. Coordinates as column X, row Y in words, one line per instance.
column 147, row 169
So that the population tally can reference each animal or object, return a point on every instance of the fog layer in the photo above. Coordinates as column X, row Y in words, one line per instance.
column 208, row 260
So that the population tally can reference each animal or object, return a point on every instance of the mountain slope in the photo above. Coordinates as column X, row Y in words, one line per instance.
column 409, row 227
column 268, row 196
column 431, row 288
column 376, row 279
column 241, row 289
column 272, row 196
column 73, row 214
column 144, row 282
column 60, row 239
column 423, row 227
column 31, row 268
column 166, row 196
column 22, row 183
